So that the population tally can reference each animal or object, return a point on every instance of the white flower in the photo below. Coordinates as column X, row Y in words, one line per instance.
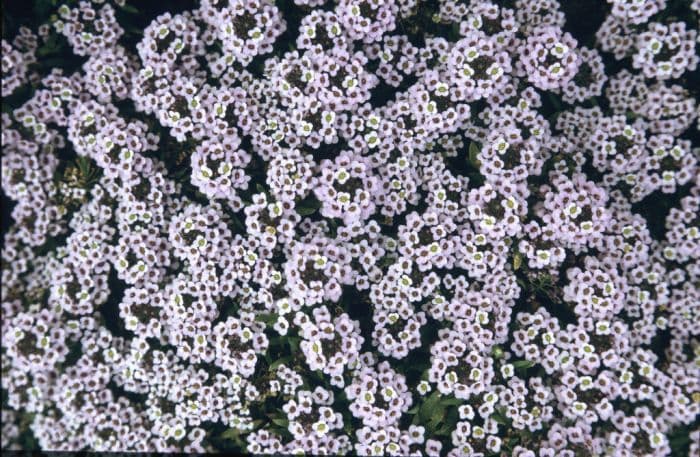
column 579, row 408
column 654, row 46
column 305, row 128
column 423, row 387
column 372, row 139
column 320, row 427
column 333, row 29
column 573, row 210
column 308, row 76
column 367, row 397
column 177, row 432
column 224, row 168
column 495, row 71
column 281, row 326
column 656, row 440
column 342, row 175
column 554, row 69
column 559, row 50
column 467, row 71
column 442, row 89
column 507, row 370
column 328, row 117
column 349, row 82
column 471, row 54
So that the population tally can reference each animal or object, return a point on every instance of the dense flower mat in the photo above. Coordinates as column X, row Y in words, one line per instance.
column 359, row 226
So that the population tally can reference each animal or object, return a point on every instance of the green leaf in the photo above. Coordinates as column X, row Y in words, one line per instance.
column 517, row 261
column 294, row 343
column 499, row 417
column 83, row 164
column 257, row 423
column 278, row 362
column 523, row 364
column 305, row 210
column 454, row 31
column 50, row 46
column 413, row 410
column 679, row 440
column 232, row 434
column 429, row 405
column 240, row 228
column 130, row 9
column 436, row 417
column 497, row 352
column 43, row 8
column 51, row 62
column 386, row 261
column 444, row 430
column 308, row 206
column 454, row 401
column 474, row 150
column 416, row 420
column 267, row 318
column 555, row 101
column 510, row 442
column 432, row 400
column 280, row 421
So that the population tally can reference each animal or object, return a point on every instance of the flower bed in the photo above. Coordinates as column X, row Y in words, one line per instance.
column 364, row 227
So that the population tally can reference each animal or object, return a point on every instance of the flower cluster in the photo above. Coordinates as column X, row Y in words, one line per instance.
column 16, row 58
column 548, row 58
column 666, row 51
column 368, row 227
